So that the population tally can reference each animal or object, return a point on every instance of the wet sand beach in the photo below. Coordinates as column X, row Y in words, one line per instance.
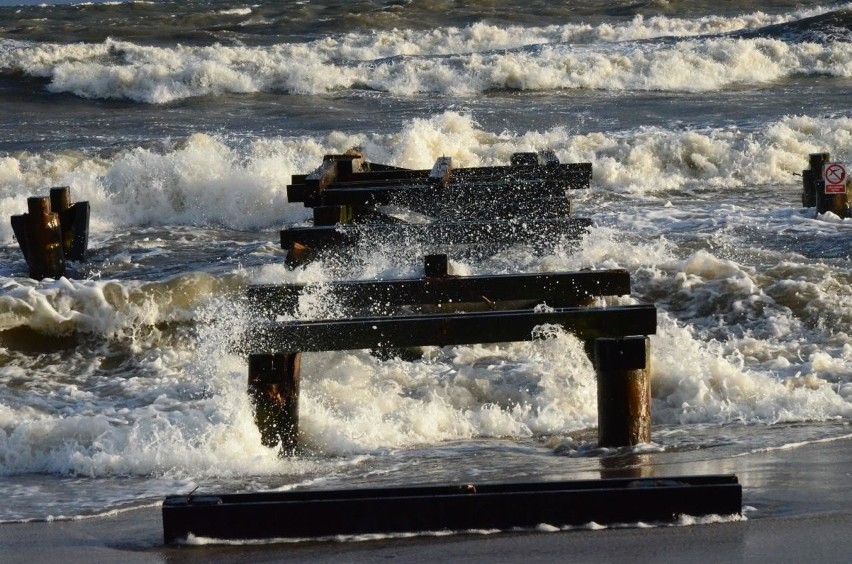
column 796, row 507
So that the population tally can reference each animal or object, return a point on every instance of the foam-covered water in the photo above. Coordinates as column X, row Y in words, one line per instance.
column 126, row 381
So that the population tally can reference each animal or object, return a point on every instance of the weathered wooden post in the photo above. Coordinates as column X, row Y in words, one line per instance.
column 435, row 266
column 42, row 244
column 273, row 385
column 624, row 390
column 74, row 219
column 810, row 176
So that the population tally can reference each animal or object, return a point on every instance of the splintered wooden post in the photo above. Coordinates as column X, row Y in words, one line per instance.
column 44, row 240
column 624, row 391
column 273, row 385
column 436, row 266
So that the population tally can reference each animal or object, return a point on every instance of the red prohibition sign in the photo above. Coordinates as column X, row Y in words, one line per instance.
column 835, row 174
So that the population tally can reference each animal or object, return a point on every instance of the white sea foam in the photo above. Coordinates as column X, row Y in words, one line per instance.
column 208, row 181
column 454, row 62
column 182, row 409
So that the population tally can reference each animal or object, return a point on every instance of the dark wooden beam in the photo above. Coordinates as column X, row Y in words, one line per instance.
column 327, row 513
column 557, row 289
column 450, row 328
column 461, row 233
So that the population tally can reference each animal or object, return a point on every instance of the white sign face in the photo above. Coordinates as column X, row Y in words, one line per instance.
column 834, row 175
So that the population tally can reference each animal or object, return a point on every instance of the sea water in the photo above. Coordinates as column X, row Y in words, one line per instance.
column 182, row 124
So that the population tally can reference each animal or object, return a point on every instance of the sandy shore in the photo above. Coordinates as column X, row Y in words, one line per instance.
column 798, row 508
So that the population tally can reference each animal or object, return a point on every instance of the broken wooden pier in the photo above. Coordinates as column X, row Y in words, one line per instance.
column 355, row 201
column 615, row 335
column 527, row 201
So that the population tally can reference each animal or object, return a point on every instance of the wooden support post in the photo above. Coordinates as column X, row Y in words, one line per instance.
column 811, row 178
column 332, row 215
column 273, row 385
column 44, row 240
column 436, row 266
column 624, row 391
column 74, row 220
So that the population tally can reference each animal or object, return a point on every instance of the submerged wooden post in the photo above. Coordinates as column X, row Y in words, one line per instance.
column 273, row 385
column 624, row 391
column 810, row 177
column 43, row 240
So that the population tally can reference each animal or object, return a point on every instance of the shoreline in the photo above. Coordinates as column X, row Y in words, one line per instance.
column 797, row 507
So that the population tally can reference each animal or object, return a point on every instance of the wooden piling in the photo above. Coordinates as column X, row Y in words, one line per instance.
column 624, row 390
column 436, row 266
column 273, row 385
column 60, row 204
column 811, row 176
column 43, row 240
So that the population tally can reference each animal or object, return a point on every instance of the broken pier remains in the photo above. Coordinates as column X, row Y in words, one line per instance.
column 616, row 335
column 355, row 200
column 524, row 202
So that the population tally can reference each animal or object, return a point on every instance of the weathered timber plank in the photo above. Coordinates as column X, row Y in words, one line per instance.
column 456, row 193
column 326, row 513
column 554, row 288
column 342, row 174
column 451, row 328
column 492, row 232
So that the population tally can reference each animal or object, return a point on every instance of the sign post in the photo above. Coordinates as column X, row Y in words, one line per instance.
column 824, row 186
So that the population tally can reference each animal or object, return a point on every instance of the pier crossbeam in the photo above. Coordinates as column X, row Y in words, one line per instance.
column 451, row 328
column 557, row 289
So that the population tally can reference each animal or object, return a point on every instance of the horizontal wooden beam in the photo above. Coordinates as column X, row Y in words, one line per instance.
column 461, row 233
column 450, row 328
column 557, row 289
column 327, row 513
column 342, row 172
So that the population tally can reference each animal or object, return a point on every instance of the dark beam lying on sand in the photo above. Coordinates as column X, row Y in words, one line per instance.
column 303, row 514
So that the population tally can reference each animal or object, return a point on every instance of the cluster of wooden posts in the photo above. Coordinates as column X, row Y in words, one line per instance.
column 826, row 186
column 526, row 201
column 439, row 309
column 52, row 232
